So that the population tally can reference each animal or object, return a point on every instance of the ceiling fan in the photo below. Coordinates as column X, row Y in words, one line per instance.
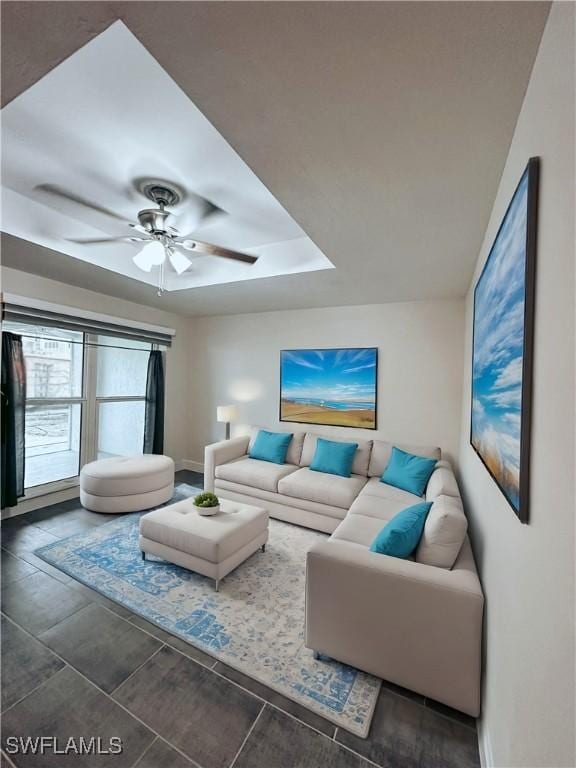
column 162, row 242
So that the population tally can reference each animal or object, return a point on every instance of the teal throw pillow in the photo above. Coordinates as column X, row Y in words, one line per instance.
column 408, row 472
column 271, row 446
column 333, row 458
column 401, row 535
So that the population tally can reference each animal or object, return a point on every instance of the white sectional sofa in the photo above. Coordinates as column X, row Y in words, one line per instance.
column 416, row 622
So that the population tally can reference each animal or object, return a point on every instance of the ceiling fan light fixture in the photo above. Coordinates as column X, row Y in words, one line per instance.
column 152, row 255
column 179, row 261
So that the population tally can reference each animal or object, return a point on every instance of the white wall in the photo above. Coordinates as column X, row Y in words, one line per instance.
column 527, row 570
column 235, row 359
column 177, row 369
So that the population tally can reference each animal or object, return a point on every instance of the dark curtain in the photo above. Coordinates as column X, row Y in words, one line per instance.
column 13, row 415
column 154, row 416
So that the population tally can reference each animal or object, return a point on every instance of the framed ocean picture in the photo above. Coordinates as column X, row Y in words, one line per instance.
column 337, row 387
column 503, row 330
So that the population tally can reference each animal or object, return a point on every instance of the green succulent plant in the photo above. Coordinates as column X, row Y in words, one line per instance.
column 206, row 499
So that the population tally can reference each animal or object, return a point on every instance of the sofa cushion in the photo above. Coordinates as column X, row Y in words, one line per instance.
column 382, row 451
column 379, row 507
column 224, row 489
column 375, row 487
column 442, row 482
column 255, row 473
column 444, row 533
column 361, row 457
column 401, row 535
column 294, row 448
column 358, row 529
column 323, row 488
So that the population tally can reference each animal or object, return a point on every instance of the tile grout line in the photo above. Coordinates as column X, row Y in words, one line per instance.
column 150, row 634
column 104, row 693
column 247, row 735
column 37, row 567
column 37, row 688
column 138, row 668
column 6, row 756
column 450, row 719
column 149, row 747
column 64, row 618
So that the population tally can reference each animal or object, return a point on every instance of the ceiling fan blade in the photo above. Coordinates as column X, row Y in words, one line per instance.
column 179, row 261
column 212, row 210
column 56, row 191
column 139, row 228
column 101, row 240
column 215, row 250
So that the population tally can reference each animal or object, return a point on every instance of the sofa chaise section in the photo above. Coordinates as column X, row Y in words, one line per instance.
column 413, row 624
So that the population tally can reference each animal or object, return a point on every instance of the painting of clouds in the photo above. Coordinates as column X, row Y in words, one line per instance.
column 499, row 413
column 329, row 386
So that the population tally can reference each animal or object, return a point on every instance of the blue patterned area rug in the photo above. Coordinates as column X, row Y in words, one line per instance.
column 255, row 623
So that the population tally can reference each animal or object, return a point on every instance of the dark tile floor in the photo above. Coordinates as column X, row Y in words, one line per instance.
column 77, row 664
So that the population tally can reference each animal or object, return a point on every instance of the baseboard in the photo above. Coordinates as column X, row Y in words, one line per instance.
column 484, row 746
column 42, row 500
column 193, row 466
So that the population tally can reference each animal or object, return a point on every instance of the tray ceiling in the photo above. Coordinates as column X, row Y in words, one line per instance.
column 381, row 128
column 103, row 120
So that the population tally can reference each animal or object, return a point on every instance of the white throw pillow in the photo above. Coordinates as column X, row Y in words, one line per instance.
column 444, row 533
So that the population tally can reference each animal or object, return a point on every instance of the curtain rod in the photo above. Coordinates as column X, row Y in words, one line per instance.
column 84, row 343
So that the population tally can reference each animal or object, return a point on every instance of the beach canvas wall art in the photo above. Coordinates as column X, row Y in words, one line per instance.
column 329, row 386
column 502, row 347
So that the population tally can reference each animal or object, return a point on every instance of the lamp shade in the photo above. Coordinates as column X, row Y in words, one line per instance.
column 152, row 255
column 226, row 413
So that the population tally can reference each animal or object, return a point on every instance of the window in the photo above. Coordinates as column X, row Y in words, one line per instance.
column 85, row 399
column 54, row 402
column 120, row 396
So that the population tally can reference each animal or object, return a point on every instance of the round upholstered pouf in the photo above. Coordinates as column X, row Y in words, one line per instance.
column 126, row 483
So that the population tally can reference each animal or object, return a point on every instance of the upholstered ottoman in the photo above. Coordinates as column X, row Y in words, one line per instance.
column 126, row 483
column 212, row 546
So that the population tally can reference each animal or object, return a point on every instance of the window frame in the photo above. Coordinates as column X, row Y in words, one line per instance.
column 89, row 403
column 95, row 400
column 64, row 483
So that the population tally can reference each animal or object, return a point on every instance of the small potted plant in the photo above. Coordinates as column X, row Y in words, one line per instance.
column 207, row 503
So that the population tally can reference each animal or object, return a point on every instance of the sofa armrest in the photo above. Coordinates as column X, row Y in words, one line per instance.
column 221, row 453
column 413, row 624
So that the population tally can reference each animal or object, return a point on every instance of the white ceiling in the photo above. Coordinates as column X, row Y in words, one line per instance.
column 382, row 128
column 99, row 123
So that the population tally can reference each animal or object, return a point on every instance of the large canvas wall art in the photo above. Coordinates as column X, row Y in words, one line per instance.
column 329, row 386
column 502, row 347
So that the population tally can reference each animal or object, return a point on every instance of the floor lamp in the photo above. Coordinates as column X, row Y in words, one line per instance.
column 226, row 414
